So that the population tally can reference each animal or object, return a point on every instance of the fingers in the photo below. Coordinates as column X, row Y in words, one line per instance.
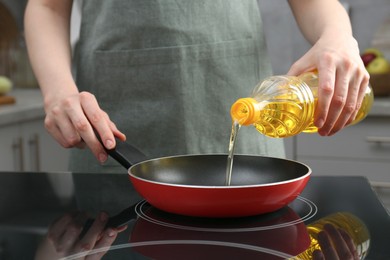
column 86, row 117
column 64, row 232
column 338, row 108
column 342, row 81
column 121, row 136
column 362, row 91
column 349, row 106
column 340, row 96
column 72, row 121
column 63, row 238
column 89, row 240
column 96, row 119
column 107, row 239
column 326, row 246
column 341, row 103
column 71, row 233
column 56, row 231
column 335, row 244
column 317, row 255
column 349, row 242
column 327, row 77
column 340, row 245
column 98, row 238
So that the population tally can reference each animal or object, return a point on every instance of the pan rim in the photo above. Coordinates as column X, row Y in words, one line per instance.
column 309, row 172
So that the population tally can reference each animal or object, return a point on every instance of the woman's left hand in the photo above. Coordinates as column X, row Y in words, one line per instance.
column 342, row 80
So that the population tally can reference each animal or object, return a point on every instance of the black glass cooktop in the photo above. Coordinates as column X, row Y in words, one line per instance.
column 53, row 216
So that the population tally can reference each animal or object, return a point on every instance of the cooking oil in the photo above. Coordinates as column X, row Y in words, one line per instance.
column 283, row 106
column 355, row 229
column 232, row 142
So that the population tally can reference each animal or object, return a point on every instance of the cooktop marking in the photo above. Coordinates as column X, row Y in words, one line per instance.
column 311, row 212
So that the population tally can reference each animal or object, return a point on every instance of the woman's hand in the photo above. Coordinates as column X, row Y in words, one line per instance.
column 72, row 117
column 343, row 80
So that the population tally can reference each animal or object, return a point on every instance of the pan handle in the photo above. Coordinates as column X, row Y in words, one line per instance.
column 124, row 153
column 116, row 221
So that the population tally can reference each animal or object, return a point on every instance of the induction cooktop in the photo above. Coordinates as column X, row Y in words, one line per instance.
column 149, row 233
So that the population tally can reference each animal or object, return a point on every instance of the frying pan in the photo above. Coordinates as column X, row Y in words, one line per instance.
column 194, row 185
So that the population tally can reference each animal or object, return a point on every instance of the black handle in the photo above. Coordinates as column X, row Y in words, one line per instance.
column 116, row 221
column 124, row 153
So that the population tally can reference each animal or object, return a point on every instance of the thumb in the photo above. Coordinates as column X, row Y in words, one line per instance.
column 302, row 65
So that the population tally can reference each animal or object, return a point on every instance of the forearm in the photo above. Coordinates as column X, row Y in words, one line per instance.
column 335, row 54
column 47, row 36
column 321, row 18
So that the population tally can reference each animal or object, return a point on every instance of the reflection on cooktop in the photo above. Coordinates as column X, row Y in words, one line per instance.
column 156, row 232
column 279, row 219
column 278, row 235
column 160, row 235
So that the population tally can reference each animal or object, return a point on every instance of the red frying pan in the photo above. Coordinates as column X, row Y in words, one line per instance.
column 194, row 185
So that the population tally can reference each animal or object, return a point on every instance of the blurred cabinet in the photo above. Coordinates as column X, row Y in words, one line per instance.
column 28, row 147
column 362, row 149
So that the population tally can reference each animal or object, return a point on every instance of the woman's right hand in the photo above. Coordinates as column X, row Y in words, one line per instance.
column 71, row 119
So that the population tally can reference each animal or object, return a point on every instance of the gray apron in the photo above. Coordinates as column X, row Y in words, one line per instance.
column 167, row 72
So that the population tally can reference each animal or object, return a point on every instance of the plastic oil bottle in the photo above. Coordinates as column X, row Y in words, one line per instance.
column 283, row 106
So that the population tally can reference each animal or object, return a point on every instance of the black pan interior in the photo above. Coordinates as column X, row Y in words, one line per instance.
column 210, row 170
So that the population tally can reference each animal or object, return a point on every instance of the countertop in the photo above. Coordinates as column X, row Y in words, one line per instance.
column 29, row 106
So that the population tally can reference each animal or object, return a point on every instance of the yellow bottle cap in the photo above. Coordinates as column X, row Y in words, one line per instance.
column 244, row 111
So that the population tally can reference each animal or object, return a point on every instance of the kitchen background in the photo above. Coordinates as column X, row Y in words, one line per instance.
column 360, row 150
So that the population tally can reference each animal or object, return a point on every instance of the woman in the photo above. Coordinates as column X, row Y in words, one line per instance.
column 166, row 72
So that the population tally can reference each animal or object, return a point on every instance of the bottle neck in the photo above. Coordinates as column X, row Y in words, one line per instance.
column 244, row 111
